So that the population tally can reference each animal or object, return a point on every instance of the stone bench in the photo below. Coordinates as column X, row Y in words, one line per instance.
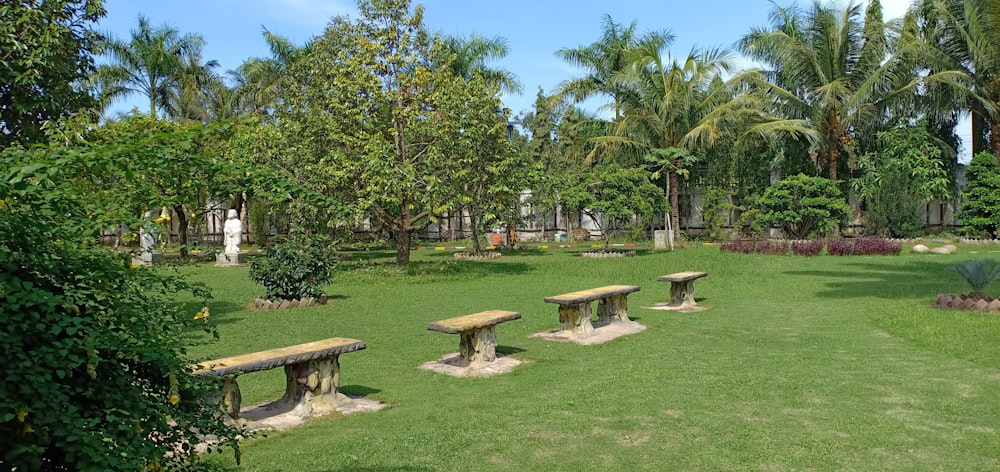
column 682, row 288
column 478, row 340
column 312, row 373
column 574, row 308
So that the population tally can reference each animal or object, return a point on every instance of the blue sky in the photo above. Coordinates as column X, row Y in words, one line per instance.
column 534, row 29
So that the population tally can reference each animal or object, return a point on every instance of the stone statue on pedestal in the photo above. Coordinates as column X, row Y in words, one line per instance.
column 233, row 231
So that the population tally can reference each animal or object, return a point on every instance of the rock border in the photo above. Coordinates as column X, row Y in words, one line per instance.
column 607, row 254
column 483, row 256
column 967, row 302
column 261, row 303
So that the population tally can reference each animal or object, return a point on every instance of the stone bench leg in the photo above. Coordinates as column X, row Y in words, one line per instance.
column 682, row 294
column 313, row 381
column 231, row 397
column 613, row 309
column 478, row 346
column 575, row 318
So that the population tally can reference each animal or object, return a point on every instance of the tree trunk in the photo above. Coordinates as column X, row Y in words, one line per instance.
column 182, row 230
column 474, row 217
column 995, row 140
column 831, row 160
column 675, row 207
column 402, row 247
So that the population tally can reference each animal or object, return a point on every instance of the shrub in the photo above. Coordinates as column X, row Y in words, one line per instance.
column 742, row 246
column 749, row 224
column 292, row 269
column 979, row 273
column 776, row 248
column 980, row 208
column 811, row 247
column 839, row 247
column 804, row 206
column 875, row 246
column 715, row 209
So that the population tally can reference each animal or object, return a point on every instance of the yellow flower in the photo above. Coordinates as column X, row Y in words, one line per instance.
column 193, row 215
column 202, row 314
column 28, row 428
column 174, row 398
column 133, row 266
column 2, row 203
column 21, row 414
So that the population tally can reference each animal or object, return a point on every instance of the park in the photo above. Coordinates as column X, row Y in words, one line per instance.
column 350, row 255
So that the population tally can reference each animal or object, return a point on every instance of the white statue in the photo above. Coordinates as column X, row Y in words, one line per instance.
column 147, row 234
column 233, row 231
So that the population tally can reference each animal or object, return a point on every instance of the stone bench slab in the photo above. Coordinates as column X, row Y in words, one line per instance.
column 681, row 276
column 586, row 296
column 461, row 324
column 265, row 360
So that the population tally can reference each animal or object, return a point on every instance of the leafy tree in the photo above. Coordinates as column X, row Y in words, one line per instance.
column 46, row 51
column 715, row 208
column 384, row 118
column 899, row 179
column 95, row 374
column 614, row 196
column 293, row 269
column 980, row 207
column 804, row 206
column 150, row 63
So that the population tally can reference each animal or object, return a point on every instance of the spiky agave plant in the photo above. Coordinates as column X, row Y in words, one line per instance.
column 979, row 273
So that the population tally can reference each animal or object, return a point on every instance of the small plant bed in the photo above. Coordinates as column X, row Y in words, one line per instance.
column 607, row 254
column 477, row 256
column 261, row 303
column 969, row 302
column 868, row 246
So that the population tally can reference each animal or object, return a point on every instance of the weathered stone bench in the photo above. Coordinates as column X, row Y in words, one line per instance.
column 478, row 340
column 682, row 288
column 312, row 373
column 574, row 308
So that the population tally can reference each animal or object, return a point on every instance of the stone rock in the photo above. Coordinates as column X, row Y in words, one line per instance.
column 293, row 304
column 920, row 249
column 993, row 306
column 308, row 301
column 980, row 305
column 946, row 249
column 942, row 300
column 968, row 304
column 955, row 302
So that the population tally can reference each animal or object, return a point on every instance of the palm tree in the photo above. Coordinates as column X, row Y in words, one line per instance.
column 261, row 79
column 190, row 96
column 824, row 79
column 602, row 60
column 149, row 63
column 671, row 107
column 964, row 43
column 471, row 54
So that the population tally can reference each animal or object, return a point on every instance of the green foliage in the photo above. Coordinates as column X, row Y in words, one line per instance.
column 980, row 207
column 615, row 197
column 95, row 373
column 46, row 49
column 804, row 206
column 979, row 273
column 749, row 224
column 292, row 269
column 899, row 180
column 715, row 208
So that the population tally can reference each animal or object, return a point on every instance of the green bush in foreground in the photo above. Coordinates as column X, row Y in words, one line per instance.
column 979, row 273
column 292, row 269
column 804, row 206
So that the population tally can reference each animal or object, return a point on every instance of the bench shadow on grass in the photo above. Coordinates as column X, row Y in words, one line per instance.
column 508, row 350
column 357, row 390
column 442, row 268
column 911, row 279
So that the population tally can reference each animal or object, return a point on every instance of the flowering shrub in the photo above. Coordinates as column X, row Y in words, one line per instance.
column 875, row 246
column 742, row 246
column 775, row 248
column 839, row 247
column 807, row 248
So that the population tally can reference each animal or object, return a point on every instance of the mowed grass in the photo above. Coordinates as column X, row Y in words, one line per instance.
column 825, row 363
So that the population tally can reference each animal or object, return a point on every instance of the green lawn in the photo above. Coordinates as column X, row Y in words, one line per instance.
column 826, row 363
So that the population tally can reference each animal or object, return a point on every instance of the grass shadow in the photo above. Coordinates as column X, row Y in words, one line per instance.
column 911, row 279
column 357, row 390
column 452, row 268
column 508, row 350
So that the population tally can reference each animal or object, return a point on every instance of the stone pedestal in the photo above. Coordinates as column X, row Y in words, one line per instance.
column 230, row 259
column 660, row 239
column 148, row 258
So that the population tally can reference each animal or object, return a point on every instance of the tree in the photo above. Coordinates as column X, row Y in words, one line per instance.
column 980, row 207
column 261, row 78
column 899, row 179
column 96, row 375
column 46, row 51
column 827, row 78
column 149, row 63
column 469, row 55
column 602, row 60
column 614, row 196
column 804, row 206
column 963, row 45
column 385, row 117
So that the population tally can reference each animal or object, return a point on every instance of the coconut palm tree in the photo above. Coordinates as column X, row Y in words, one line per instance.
column 671, row 106
column 822, row 72
column 963, row 42
column 602, row 60
column 470, row 55
column 149, row 63
column 261, row 79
